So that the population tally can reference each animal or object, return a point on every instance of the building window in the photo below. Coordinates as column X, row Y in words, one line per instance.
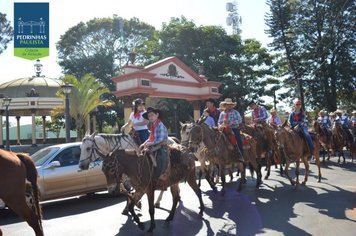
column 214, row 90
column 145, row 82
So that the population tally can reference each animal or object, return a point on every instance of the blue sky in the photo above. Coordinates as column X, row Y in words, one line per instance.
column 67, row 13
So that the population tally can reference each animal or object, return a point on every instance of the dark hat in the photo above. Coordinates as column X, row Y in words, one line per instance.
column 137, row 102
column 251, row 103
column 211, row 100
column 154, row 110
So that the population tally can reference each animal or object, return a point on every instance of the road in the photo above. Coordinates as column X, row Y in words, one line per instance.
column 326, row 208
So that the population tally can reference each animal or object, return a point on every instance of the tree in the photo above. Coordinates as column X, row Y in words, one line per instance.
column 317, row 39
column 6, row 32
column 85, row 96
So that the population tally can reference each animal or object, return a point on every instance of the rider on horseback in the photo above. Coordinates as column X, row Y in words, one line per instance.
column 325, row 123
column 274, row 118
column 259, row 113
column 157, row 143
column 343, row 119
column 213, row 110
column 297, row 118
column 137, row 122
column 230, row 119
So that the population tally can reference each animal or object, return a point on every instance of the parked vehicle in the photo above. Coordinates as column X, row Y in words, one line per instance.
column 59, row 175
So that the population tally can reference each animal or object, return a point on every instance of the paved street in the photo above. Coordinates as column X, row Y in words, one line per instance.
column 327, row 208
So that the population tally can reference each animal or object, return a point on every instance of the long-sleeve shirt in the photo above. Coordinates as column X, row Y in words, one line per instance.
column 210, row 121
column 274, row 120
column 233, row 118
column 160, row 134
column 260, row 113
column 324, row 121
column 296, row 118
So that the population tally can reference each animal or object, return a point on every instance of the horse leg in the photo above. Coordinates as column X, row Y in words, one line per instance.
column 242, row 169
column 210, row 180
column 200, row 173
column 21, row 209
column 297, row 172
column 286, row 168
column 159, row 199
column 306, row 163
column 222, row 176
column 175, row 197
column 192, row 183
column 150, row 196
column 131, row 205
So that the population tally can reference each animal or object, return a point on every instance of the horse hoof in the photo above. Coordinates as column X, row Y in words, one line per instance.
column 303, row 183
column 141, row 226
column 125, row 212
column 157, row 205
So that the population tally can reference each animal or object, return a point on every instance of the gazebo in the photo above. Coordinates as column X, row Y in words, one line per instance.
column 167, row 78
column 31, row 96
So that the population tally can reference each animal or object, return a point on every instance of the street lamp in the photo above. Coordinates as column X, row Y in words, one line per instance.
column 6, row 102
column 67, row 88
column 38, row 67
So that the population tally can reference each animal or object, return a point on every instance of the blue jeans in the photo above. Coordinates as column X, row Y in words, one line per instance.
column 238, row 139
column 143, row 135
column 308, row 138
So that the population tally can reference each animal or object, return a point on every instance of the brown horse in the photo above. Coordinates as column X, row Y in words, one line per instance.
column 140, row 170
column 339, row 140
column 293, row 148
column 266, row 144
column 218, row 146
column 15, row 168
column 325, row 139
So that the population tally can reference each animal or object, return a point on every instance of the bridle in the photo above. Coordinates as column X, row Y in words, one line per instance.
column 94, row 150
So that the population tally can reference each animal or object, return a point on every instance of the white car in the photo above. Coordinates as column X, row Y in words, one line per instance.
column 59, row 175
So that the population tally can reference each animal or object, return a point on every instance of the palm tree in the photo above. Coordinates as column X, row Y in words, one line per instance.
column 85, row 97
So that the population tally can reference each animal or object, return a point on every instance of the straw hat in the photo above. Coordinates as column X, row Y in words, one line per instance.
column 227, row 101
column 338, row 111
column 353, row 112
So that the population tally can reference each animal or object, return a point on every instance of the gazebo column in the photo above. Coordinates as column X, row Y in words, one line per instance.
column 18, row 130
column 44, row 129
column 1, row 134
column 196, row 111
column 33, row 112
column 127, row 107
column 93, row 113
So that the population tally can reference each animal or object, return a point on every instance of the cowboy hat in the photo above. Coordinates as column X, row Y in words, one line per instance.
column 227, row 101
column 353, row 112
column 338, row 111
column 137, row 102
column 251, row 103
column 154, row 110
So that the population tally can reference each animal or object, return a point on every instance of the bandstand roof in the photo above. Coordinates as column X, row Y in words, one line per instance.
column 32, row 93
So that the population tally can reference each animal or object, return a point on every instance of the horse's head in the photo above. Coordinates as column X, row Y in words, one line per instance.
column 195, row 136
column 87, row 151
column 184, row 133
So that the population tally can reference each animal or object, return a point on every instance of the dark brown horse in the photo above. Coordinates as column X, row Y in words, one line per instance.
column 339, row 140
column 293, row 148
column 266, row 145
column 15, row 168
column 325, row 138
column 140, row 170
column 220, row 152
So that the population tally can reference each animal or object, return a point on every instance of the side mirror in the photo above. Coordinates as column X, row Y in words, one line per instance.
column 53, row 164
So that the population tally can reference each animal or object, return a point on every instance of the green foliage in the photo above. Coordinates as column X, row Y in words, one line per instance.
column 6, row 32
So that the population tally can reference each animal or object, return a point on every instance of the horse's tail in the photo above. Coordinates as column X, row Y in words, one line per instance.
column 31, row 175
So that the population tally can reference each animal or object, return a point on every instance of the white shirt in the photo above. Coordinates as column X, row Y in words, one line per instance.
column 139, row 120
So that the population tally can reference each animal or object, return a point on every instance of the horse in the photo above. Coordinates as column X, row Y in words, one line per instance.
column 220, row 152
column 339, row 140
column 140, row 171
column 266, row 145
column 325, row 139
column 201, row 153
column 15, row 169
column 293, row 148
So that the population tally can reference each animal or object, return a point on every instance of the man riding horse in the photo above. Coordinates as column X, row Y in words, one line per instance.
column 156, row 144
column 325, row 123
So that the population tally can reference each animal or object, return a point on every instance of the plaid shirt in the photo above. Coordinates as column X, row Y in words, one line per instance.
column 260, row 113
column 160, row 134
column 234, row 118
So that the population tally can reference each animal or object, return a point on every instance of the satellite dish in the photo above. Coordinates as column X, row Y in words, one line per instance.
column 228, row 20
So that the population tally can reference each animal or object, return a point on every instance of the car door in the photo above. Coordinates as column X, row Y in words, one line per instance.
column 95, row 177
column 64, row 180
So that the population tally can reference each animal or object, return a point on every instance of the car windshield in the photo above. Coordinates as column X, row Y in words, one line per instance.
column 42, row 155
